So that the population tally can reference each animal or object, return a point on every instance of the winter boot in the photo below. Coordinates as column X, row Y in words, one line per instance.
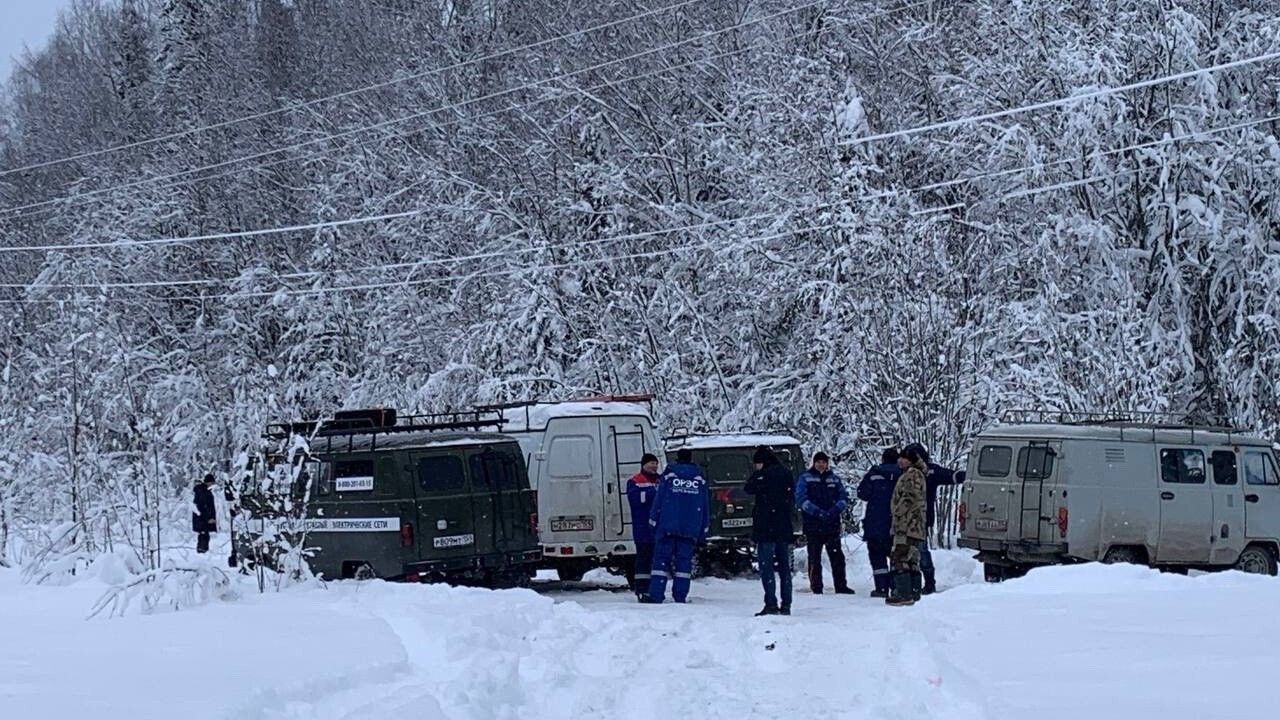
column 784, row 610
column 768, row 610
column 915, row 586
column 882, row 585
column 902, row 593
column 930, row 584
column 846, row 590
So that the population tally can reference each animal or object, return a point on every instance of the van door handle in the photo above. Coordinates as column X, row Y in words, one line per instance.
column 1166, row 495
column 1251, row 498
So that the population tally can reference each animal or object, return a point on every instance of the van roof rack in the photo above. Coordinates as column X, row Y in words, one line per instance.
column 501, row 408
column 376, row 421
column 1136, row 418
column 684, row 433
column 512, row 404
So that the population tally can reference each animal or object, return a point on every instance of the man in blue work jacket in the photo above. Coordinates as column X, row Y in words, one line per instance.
column 679, row 519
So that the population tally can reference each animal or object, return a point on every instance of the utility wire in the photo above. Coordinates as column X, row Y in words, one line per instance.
column 418, row 115
column 351, row 92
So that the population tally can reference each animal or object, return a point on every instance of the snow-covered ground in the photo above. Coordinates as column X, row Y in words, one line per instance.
column 1088, row 641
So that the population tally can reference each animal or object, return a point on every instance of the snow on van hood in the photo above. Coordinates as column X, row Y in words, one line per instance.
column 731, row 440
column 538, row 415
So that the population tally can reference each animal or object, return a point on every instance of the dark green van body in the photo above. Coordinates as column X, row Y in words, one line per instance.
column 420, row 506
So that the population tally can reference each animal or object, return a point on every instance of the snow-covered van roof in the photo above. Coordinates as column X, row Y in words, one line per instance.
column 535, row 416
column 730, row 440
column 333, row 444
column 1125, row 432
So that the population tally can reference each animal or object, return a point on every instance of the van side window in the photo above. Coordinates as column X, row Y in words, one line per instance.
column 441, row 473
column 1259, row 469
column 325, row 486
column 1224, row 467
column 1035, row 461
column 994, row 460
column 1182, row 466
column 353, row 474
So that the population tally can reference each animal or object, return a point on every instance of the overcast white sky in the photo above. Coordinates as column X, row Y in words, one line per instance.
column 25, row 22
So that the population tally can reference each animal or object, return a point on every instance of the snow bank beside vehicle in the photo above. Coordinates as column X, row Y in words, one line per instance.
column 1116, row 641
column 1070, row 642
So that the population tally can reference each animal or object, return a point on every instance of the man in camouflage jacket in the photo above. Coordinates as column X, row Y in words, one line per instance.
column 908, row 509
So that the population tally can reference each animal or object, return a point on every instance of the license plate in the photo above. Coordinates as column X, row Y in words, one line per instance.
column 453, row 541
column 573, row 525
column 735, row 522
column 990, row 525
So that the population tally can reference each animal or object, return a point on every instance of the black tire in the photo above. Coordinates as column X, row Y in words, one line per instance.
column 365, row 572
column 508, row 578
column 1124, row 555
column 994, row 573
column 1258, row 560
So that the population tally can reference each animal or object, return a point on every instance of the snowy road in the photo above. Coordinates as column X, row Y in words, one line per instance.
column 1088, row 641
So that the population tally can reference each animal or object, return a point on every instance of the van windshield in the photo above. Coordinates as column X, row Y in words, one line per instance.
column 728, row 467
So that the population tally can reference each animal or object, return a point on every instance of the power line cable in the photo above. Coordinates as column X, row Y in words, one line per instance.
column 1071, row 100
column 248, row 234
column 1021, row 193
column 418, row 115
column 349, row 93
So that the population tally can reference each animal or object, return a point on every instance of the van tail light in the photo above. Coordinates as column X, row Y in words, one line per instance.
column 962, row 514
column 533, row 523
column 1062, row 522
column 722, row 496
column 406, row 535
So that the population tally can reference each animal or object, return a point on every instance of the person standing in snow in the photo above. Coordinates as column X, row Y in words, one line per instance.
column 773, row 488
column 822, row 498
column 934, row 478
column 679, row 518
column 642, row 489
column 876, row 491
column 907, row 506
column 205, row 518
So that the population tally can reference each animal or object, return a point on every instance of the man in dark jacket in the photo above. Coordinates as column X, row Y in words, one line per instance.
column 875, row 491
column 679, row 518
column 642, row 489
column 934, row 478
column 773, row 488
column 205, row 518
column 822, row 497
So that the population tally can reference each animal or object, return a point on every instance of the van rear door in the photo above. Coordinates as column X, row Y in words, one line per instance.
column 988, row 493
column 1186, row 506
column 571, row 483
column 1035, row 511
column 446, row 516
column 626, row 439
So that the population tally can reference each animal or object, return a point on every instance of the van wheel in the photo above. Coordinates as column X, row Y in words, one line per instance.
column 1124, row 556
column 994, row 573
column 572, row 571
column 1258, row 560
column 365, row 572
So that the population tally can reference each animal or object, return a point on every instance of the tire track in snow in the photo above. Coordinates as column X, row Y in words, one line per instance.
column 516, row 654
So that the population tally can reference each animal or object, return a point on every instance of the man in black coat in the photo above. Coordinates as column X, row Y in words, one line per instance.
column 205, row 518
column 774, row 490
